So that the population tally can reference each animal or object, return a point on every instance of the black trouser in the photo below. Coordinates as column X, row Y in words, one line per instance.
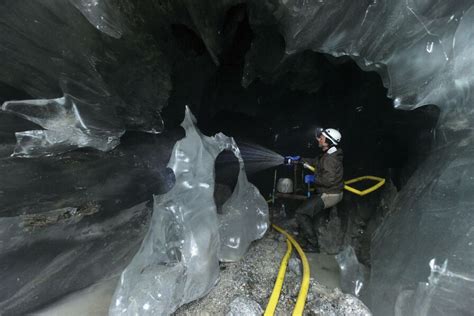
column 308, row 216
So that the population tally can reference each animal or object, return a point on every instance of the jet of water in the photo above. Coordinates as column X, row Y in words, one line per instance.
column 258, row 158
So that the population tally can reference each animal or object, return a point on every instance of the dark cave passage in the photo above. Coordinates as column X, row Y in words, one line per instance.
column 308, row 90
column 322, row 90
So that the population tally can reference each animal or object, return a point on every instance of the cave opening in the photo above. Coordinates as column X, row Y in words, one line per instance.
column 226, row 170
column 295, row 94
column 319, row 90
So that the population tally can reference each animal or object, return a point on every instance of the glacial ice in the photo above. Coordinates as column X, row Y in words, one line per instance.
column 435, row 296
column 66, row 128
column 178, row 261
column 423, row 51
column 44, row 256
column 103, row 15
column 50, row 50
column 244, row 216
column 68, row 221
column 421, row 48
column 431, row 221
column 353, row 274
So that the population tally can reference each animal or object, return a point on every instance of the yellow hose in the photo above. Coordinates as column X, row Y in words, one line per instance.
column 380, row 182
column 308, row 166
column 301, row 300
column 272, row 303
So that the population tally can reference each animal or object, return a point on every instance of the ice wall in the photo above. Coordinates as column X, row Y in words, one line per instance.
column 422, row 256
column 178, row 261
column 49, row 50
column 70, row 220
column 421, row 49
column 115, row 59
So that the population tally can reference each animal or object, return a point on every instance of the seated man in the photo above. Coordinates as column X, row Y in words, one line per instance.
column 329, row 186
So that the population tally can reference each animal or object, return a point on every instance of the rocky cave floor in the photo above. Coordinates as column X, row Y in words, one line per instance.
column 245, row 287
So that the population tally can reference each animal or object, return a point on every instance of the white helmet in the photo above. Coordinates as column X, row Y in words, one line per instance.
column 333, row 135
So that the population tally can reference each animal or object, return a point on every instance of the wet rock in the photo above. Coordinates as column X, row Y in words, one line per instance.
column 244, row 306
column 295, row 266
column 253, row 278
column 335, row 303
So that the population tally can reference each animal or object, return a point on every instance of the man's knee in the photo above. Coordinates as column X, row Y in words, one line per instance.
column 331, row 200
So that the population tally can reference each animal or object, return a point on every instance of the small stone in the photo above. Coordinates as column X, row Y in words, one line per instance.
column 295, row 266
column 244, row 306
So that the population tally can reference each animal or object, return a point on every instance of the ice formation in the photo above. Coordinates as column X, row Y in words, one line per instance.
column 244, row 216
column 59, row 266
column 49, row 50
column 102, row 14
column 66, row 128
column 353, row 274
column 117, row 57
column 178, row 261
column 68, row 221
column 421, row 49
column 431, row 219
column 436, row 295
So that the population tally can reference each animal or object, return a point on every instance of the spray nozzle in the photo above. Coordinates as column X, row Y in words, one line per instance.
column 291, row 160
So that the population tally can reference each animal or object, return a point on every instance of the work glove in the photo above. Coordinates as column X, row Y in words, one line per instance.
column 309, row 178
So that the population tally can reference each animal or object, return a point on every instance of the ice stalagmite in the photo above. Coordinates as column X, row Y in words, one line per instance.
column 179, row 259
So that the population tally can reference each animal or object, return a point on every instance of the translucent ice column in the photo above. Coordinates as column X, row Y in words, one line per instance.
column 244, row 217
column 179, row 259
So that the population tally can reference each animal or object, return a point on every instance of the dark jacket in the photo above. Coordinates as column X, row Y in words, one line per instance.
column 329, row 172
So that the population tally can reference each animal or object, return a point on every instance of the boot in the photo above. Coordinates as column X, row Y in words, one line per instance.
column 305, row 227
column 310, row 246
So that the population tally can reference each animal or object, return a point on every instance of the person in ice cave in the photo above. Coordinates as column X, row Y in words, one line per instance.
column 329, row 185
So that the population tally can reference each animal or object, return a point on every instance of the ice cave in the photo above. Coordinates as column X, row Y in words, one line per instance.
column 140, row 143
